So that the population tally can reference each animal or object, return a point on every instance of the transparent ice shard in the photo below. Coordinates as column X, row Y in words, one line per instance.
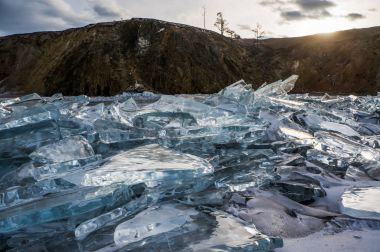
column 150, row 164
column 344, row 147
column 4, row 112
column 71, row 148
column 226, row 104
column 151, row 222
column 120, row 112
column 180, row 228
column 278, row 88
column 63, row 204
column 117, row 214
column 361, row 202
column 114, row 132
column 28, row 118
column 169, row 103
column 18, row 195
column 129, row 105
column 240, row 92
column 341, row 128
column 90, row 114
column 60, row 169
column 20, row 142
column 315, row 123
column 158, row 120
column 20, row 100
column 295, row 133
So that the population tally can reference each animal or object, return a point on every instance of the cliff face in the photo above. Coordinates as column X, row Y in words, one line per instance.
column 108, row 58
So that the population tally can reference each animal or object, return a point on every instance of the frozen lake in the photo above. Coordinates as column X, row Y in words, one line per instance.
column 240, row 170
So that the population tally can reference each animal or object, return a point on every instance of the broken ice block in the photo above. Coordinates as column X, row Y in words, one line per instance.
column 90, row 114
column 19, row 100
column 28, row 119
column 68, row 203
column 129, row 105
column 278, row 88
column 71, row 148
column 240, row 92
column 22, row 141
column 118, row 214
column 157, row 120
column 114, row 132
column 344, row 147
column 151, row 222
column 361, row 202
column 169, row 103
column 56, row 170
column 226, row 104
column 175, row 227
column 315, row 123
column 150, row 164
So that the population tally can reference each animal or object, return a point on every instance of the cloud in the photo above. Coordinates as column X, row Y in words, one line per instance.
column 295, row 10
column 314, row 4
column 372, row 9
column 244, row 27
column 355, row 16
column 299, row 15
column 272, row 2
column 105, row 12
column 108, row 9
column 292, row 15
column 18, row 16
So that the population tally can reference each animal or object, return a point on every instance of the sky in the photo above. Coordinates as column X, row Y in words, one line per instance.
column 279, row 18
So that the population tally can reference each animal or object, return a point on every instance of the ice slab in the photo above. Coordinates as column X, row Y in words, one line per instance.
column 181, row 228
column 28, row 118
column 240, row 92
column 71, row 148
column 362, row 203
column 146, row 164
column 278, row 88
column 63, row 204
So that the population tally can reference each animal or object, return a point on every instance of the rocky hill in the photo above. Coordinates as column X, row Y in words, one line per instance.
column 108, row 58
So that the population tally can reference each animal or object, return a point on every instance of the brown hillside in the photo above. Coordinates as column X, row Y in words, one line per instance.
column 108, row 58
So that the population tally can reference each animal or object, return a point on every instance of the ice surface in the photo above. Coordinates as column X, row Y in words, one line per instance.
column 362, row 203
column 76, row 147
column 150, row 164
column 278, row 88
column 180, row 228
column 240, row 92
column 144, row 172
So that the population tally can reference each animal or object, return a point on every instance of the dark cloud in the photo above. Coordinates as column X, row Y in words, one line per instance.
column 292, row 15
column 272, row 2
column 19, row 16
column 295, row 10
column 314, row 4
column 107, row 11
column 299, row 15
column 355, row 16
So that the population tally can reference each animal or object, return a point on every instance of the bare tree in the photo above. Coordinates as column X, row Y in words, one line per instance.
column 259, row 34
column 229, row 32
column 232, row 34
column 221, row 23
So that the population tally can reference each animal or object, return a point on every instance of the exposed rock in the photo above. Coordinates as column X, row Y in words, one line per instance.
column 108, row 58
